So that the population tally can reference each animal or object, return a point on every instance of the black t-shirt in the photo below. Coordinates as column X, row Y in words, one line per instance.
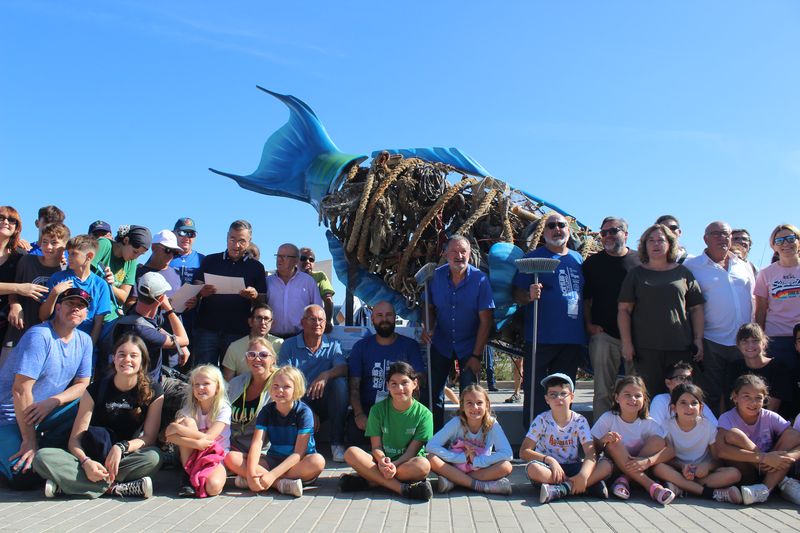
column 228, row 313
column 778, row 380
column 115, row 410
column 244, row 411
column 603, row 275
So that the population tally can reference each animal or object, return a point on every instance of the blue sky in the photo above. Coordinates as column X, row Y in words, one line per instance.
column 115, row 110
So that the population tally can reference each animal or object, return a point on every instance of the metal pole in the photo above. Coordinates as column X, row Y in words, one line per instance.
column 428, row 347
column 532, row 377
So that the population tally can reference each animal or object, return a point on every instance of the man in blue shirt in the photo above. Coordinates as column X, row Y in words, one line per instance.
column 40, row 385
column 186, row 265
column 323, row 364
column 561, row 335
column 460, row 301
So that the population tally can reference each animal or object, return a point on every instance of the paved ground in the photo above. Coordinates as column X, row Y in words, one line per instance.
column 324, row 509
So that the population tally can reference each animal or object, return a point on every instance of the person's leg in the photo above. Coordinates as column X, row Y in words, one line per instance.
column 547, row 362
column 440, row 369
column 442, row 468
column 335, row 398
column 216, row 480
column 605, row 353
column 492, row 472
column 668, row 473
column 365, row 467
column 721, row 477
column 538, row 472
column 139, row 464
column 619, row 454
column 308, row 469
column 649, row 365
column 415, row 469
column 10, row 441
column 205, row 347
column 62, row 468
column 566, row 360
column 466, row 377
column 517, row 361
column 488, row 361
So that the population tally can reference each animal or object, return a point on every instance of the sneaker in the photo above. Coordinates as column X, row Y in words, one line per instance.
column 675, row 489
column 352, row 483
column 499, row 486
column 729, row 495
column 138, row 487
column 790, row 490
column 51, row 489
column 240, row 482
column 514, row 398
column 549, row 492
column 337, row 450
column 493, row 388
column 754, row 493
column 598, row 490
column 419, row 490
column 185, row 489
column 444, row 485
column 292, row 487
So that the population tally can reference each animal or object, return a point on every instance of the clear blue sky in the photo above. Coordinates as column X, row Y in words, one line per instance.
column 114, row 110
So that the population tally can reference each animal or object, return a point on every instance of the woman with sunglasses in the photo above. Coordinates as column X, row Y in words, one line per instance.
column 10, row 254
column 248, row 393
column 660, row 314
column 777, row 293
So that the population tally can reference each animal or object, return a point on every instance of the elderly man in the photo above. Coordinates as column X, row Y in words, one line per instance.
column 40, row 385
column 326, row 292
column 290, row 292
column 603, row 273
column 561, row 338
column 460, row 302
column 727, row 283
column 370, row 359
column 260, row 322
column 222, row 318
column 325, row 369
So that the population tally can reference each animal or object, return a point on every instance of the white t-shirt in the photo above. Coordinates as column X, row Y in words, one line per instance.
column 633, row 434
column 659, row 410
column 224, row 416
column 562, row 443
column 691, row 447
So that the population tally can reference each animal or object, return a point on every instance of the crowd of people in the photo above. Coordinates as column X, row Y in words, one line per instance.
column 111, row 368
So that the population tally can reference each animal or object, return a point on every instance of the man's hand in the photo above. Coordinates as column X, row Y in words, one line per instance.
column 249, row 293
column 26, row 453
column 535, row 291
column 207, row 290
column 425, row 336
column 317, row 388
column 191, row 303
column 594, row 329
column 474, row 364
column 184, row 356
column 361, row 421
column 36, row 412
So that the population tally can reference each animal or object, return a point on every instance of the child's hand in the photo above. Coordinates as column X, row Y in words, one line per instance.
column 689, row 471
column 776, row 460
column 15, row 316
column 610, row 438
column 61, row 287
column 469, row 453
column 108, row 276
column 254, row 483
column 32, row 290
column 638, row 464
column 387, row 468
column 268, row 479
column 556, row 472
column 579, row 482
column 701, row 470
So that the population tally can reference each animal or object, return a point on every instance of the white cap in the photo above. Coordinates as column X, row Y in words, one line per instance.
column 166, row 238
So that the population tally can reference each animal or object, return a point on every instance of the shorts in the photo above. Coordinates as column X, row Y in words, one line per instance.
column 570, row 469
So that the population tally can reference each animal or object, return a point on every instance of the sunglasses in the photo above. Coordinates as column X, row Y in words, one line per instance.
column 674, row 227
column 681, row 378
column 610, row 231
column 11, row 221
column 257, row 355
column 789, row 239
column 186, row 233
column 307, row 258
column 284, row 257
column 554, row 225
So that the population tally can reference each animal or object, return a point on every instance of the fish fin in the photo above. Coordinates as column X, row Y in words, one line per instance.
column 448, row 156
column 501, row 277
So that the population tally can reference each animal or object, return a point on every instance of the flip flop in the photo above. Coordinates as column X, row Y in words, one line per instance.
column 660, row 494
column 621, row 488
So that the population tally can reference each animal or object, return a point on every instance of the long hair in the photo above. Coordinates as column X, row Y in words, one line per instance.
column 191, row 405
column 636, row 381
column 13, row 242
column 488, row 415
column 144, row 390
column 687, row 388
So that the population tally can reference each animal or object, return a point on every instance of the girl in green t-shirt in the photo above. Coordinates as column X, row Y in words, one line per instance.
column 398, row 428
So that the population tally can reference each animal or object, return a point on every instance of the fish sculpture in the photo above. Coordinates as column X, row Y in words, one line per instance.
column 387, row 219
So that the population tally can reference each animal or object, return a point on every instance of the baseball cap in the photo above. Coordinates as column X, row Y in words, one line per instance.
column 99, row 225
column 75, row 292
column 558, row 375
column 152, row 285
column 166, row 238
column 185, row 224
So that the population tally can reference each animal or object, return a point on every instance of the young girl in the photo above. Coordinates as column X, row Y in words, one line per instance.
column 288, row 425
column 758, row 442
column 695, row 468
column 398, row 428
column 471, row 450
column 202, row 432
column 633, row 441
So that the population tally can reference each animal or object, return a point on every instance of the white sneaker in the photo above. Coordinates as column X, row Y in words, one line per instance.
column 240, row 482
column 292, row 487
column 754, row 493
column 51, row 489
column 443, row 484
column 790, row 490
column 675, row 489
column 337, row 450
column 729, row 495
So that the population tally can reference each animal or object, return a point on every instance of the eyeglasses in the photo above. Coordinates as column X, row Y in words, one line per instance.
column 563, row 395
column 611, row 231
column 284, row 257
column 10, row 220
column 257, row 355
column 741, row 238
column 788, row 239
column 186, row 233
column 674, row 227
column 718, row 233
column 262, row 319
column 315, row 319
column 306, row 258
column 681, row 378
column 553, row 225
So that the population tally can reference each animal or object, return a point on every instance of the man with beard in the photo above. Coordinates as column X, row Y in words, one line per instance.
column 727, row 283
column 603, row 274
column 460, row 302
column 561, row 338
column 370, row 359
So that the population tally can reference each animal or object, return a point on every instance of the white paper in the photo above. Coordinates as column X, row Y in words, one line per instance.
column 225, row 284
column 183, row 295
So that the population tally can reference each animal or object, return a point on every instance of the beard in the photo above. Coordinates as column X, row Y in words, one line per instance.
column 557, row 242
column 384, row 329
column 615, row 248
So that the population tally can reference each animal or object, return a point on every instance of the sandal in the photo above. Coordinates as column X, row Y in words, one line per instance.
column 514, row 398
column 660, row 494
column 621, row 488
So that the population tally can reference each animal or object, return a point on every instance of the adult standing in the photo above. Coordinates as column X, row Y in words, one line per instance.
column 10, row 254
column 222, row 318
column 660, row 310
column 164, row 249
column 741, row 242
column 562, row 338
column 603, row 274
column 186, row 264
column 675, row 227
column 727, row 284
column 326, row 292
column 460, row 302
column 290, row 292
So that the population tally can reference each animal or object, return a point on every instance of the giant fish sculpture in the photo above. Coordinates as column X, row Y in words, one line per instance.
column 388, row 219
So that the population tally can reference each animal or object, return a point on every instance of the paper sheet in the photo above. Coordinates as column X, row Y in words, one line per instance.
column 183, row 295
column 225, row 284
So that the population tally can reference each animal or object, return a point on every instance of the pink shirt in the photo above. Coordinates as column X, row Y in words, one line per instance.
column 288, row 300
column 781, row 287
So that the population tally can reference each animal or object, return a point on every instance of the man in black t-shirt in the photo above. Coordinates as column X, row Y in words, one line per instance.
column 603, row 274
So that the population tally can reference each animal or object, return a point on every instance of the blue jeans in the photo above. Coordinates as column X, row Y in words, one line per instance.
column 208, row 347
column 488, row 361
column 440, row 369
column 332, row 406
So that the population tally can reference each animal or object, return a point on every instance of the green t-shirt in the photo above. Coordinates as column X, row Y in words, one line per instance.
column 323, row 283
column 124, row 272
column 397, row 429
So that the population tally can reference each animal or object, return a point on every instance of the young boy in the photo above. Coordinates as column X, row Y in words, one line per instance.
column 81, row 250
column 551, row 446
column 659, row 406
column 24, row 311
column 47, row 215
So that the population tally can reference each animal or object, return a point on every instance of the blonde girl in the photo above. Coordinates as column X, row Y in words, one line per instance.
column 288, row 425
column 758, row 442
column 472, row 450
column 695, row 468
column 203, row 430
column 633, row 440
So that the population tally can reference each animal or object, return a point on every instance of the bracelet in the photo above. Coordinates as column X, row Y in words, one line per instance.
column 478, row 357
column 123, row 445
column 83, row 461
column 169, row 312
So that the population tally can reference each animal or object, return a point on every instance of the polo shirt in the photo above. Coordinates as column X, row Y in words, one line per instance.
column 228, row 313
column 295, row 352
column 457, row 308
column 187, row 266
column 288, row 300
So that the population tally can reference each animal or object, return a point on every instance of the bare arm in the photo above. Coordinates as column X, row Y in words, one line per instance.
column 762, row 304
column 411, row 451
column 698, row 327
column 624, row 310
